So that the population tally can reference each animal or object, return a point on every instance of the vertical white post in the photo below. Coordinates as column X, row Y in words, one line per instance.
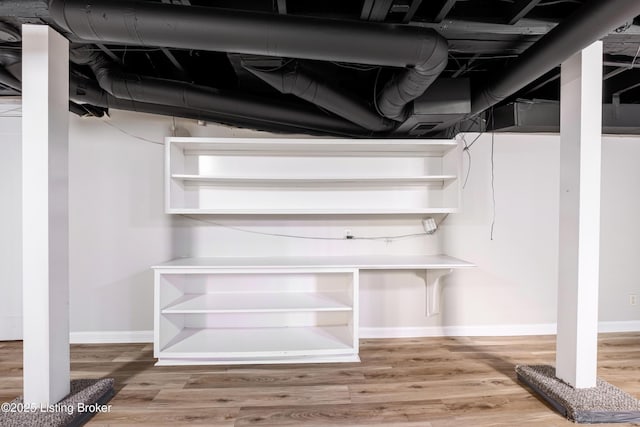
column 45, row 229
column 579, row 250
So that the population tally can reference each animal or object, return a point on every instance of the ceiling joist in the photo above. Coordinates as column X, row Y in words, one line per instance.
column 446, row 7
column 520, row 9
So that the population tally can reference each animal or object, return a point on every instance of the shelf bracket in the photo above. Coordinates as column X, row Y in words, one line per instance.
column 432, row 279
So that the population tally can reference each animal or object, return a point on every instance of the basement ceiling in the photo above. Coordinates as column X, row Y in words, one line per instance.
column 221, row 61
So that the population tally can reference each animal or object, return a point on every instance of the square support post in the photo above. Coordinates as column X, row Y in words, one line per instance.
column 45, row 214
column 579, row 242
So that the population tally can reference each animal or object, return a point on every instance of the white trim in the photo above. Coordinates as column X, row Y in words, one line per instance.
column 459, row 331
column 488, row 330
column 111, row 337
column 620, row 326
column 106, row 337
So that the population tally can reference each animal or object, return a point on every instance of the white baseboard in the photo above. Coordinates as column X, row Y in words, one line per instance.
column 110, row 337
column 622, row 326
column 488, row 330
column 107, row 337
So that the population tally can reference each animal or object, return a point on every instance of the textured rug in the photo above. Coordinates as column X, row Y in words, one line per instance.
column 87, row 398
column 604, row 403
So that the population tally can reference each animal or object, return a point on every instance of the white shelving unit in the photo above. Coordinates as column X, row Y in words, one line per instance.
column 270, row 310
column 311, row 176
column 223, row 314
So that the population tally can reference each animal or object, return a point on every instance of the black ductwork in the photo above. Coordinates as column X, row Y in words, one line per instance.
column 216, row 103
column 9, row 57
column 423, row 52
column 85, row 91
column 8, row 80
column 409, row 85
column 298, row 82
column 590, row 23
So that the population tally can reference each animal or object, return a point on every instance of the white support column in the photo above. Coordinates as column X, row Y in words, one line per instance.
column 579, row 250
column 45, row 229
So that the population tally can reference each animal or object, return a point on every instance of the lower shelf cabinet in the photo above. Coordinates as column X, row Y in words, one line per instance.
column 226, row 316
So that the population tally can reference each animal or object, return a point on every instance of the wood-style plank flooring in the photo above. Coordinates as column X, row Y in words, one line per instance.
column 427, row 382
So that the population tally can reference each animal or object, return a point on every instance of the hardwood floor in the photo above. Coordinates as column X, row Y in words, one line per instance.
column 426, row 382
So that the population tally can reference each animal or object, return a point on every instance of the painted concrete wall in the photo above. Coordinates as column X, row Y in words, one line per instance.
column 118, row 229
column 10, row 223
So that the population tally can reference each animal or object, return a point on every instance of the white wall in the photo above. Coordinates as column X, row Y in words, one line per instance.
column 516, row 278
column 10, row 223
column 118, row 229
column 117, row 226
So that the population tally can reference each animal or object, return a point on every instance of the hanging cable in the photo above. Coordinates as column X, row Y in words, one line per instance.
column 493, row 176
column 296, row 236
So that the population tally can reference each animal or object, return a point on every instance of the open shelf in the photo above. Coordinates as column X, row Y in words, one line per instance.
column 260, row 342
column 408, row 211
column 315, row 180
column 314, row 147
column 232, row 315
column 244, row 176
column 259, row 302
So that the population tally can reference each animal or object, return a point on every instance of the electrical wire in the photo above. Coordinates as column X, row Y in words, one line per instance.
column 296, row 236
column 132, row 135
column 553, row 2
column 268, row 70
column 493, row 176
column 633, row 62
column 103, row 120
column 375, row 92
column 466, row 178
column 355, row 66
column 467, row 147
column 6, row 113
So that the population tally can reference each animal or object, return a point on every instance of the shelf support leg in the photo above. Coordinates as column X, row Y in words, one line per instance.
column 434, row 289
column 579, row 243
column 45, row 214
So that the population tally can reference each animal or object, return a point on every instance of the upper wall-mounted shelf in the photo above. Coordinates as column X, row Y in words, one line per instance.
column 311, row 176
column 314, row 180
column 314, row 146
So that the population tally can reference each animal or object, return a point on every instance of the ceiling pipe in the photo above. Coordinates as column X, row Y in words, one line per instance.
column 591, row 22
column 8, row 80
column 421, row 51
column 182, row 96
column 299, row 83
column 87, row 93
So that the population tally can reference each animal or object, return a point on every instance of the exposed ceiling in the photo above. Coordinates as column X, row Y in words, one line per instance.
column 376, row 68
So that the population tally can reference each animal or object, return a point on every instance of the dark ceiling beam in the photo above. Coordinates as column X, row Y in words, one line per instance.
column 589, row 23
column 376, row 10
column 446, row 7
column 465, row 66
column 108, row 52
column 552, row 78
column 366, row 10
column 615, row 96
column 520, row 9
column 460, row 27
column 282, row 7
column 614, row 72
column 174, row 62
column 413, row 8
column 24, row 8
column 621, row 64
column 620, row 84
column 556, row 76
